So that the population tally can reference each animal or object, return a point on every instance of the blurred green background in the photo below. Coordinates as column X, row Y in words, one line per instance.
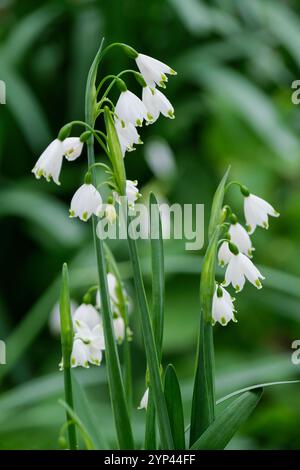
column 236, row 60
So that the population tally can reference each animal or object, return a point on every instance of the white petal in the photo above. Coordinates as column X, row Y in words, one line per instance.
column 240, row 237
column 153, row 71
column 50, row 162
column 72, row 148
column 234, row 274
column 224, row 254
column 130, row 108
column 144, row 401
column 85, row 202
column 119, row 329
column 80, row 354
column 87, row 315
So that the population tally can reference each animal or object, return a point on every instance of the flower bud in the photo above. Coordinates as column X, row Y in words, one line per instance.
column 64, row 132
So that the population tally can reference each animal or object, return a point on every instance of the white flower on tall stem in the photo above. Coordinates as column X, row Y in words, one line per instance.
column 72, row 148
column 224, row 254
column 128, row 135
column 144, row 401
column 85, row 202
column 222, row 307
column 240, row 237
column 256, row 212
column 119, row 329
column 154, row 72
column 50, row 162
column 240, row 268
column 130, row 108
column 156, row 103
column 89, row 337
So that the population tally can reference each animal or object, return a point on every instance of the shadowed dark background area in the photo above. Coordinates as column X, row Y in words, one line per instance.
column 236, row 61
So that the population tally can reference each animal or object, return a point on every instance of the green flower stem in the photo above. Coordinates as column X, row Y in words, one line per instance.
column 150, row 347
column 66, row 345
column 116, row 387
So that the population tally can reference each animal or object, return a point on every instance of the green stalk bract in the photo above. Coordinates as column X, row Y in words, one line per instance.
column 203, row 404
column 66, row 346
column 116, row 387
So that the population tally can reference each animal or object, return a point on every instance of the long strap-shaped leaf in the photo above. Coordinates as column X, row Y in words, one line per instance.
column 158, row 297
column 220, row 432
column 116, row 387
column 203, row 404
column 150, row 347
column 174, row 405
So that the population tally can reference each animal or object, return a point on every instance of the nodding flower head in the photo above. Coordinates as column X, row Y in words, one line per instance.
column 240, row 237
column 240, row 268
column 256, row 212
column 222, row 307
column 154, row 72
column 127, row 135
column 130, row 108
column 156, row 103
column 72, row 148
column 50, row 162
column 85, row 202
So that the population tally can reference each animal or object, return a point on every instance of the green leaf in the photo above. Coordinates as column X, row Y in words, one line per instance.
column 150, row 347
column 158, row 274
column 67, row 335
column 217, row 204
column 86, row 415
column 174, row 405
column 75, row 420
column 203, row 404
column 220, row 432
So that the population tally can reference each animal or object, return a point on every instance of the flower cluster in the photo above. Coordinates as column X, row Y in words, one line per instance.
column 129, row 113
column 89, row 343
column 235, row 252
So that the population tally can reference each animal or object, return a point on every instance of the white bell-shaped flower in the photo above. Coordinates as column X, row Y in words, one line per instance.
column 85, row 202
column 256, row 212
column 86, row 316
column 119, row 329
column 110, row 213
column 87, row 347
column 144, row 401
column 72, row 148
column 156, row 103
column 154, row 72
column 240, row 237
column 128, row 135
column 222, row 307
column 112, row 285
column 132, row 192
column 240, row 268
column 130, row 108
column 50, row 162
column 224, row 254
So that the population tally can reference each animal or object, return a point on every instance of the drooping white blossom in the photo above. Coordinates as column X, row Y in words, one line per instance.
column 224, row 254
column 112, row 285
column 222, row 307
column 128, row 135
column 154, row 72
column 87, row 346
column 240, row 237
column 240, row 268
column 85, row 202
column 86, row 316
column 110, row 213
column 144, row 401
column 50, row 162
column 132, row 192
column 130, row 108
column 256, row 212
column 156, row 102
column 119, row 329
column 72, row 148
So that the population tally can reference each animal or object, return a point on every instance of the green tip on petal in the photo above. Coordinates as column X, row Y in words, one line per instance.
column 162, row 84
column 149, row 117
column 223, row 321
column 222, row 264
column 139, row 122
column 171, row 114
column 258, row 284
column 71, row 213
column 85, row 216
column 237, row 288
column 73, row 361
column 265, row 225
column 234, row 319
column 173, row 72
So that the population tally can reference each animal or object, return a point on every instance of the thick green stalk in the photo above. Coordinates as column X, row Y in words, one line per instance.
column 150, row 347
column 116, row 387
column 204, row 401
column 66, row 346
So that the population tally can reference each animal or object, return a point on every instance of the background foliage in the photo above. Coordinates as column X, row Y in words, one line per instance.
column 236, row 60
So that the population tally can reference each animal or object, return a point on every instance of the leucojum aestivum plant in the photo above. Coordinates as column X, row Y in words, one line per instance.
column 101, row 323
